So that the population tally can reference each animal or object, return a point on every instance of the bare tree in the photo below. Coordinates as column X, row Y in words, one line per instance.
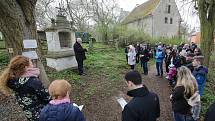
column 44, row 12
column 104, row 14
column 79, row 12
column 205, row 9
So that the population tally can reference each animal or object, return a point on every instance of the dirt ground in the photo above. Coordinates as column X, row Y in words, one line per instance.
column 102, row 105
column 102, row 108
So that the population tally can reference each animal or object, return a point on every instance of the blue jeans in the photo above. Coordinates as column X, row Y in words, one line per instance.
column 145, row 67
column 159, row 67
column 181, row 117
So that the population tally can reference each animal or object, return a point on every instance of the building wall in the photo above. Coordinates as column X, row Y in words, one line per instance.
column 155, row 25
column 197, row 38
column 144, row 25
column 162, row 29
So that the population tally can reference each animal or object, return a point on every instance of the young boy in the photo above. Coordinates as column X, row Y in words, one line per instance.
column 60, row 108
column 200, row 73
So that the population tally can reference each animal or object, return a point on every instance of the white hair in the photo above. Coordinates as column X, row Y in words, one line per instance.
column 79, row 40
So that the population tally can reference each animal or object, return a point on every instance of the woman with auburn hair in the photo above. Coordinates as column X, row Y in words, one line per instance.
column 21, row 78
column 185, row 88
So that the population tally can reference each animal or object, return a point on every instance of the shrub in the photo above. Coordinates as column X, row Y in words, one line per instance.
column 126, row 36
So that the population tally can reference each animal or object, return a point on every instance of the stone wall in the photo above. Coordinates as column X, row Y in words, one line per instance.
column 144, row 24
column 162, row 29
column 155, row 25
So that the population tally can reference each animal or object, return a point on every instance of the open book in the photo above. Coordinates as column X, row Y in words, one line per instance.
column 122, row 102
column 80, row 107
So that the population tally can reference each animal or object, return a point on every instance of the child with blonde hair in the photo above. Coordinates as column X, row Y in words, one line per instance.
column 60, row 107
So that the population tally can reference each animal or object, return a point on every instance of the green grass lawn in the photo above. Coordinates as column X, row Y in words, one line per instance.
column 4, row 59
column 105, row 68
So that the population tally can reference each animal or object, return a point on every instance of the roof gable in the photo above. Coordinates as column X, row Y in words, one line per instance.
column 141, row 11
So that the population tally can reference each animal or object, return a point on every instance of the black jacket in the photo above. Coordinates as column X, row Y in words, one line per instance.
column 179, row 103
column 30, row 95
column 210, row 115
column 145, row 58
column 143, row 107
column 79, row 52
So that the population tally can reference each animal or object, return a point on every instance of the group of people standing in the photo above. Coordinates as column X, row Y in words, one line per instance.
column 139, row 53
column 53, row 104
column 185, row 72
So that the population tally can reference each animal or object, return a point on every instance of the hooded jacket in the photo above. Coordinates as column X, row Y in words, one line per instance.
column 61, row 112
column 200, row 74
column 143, row 107
column 159, row 56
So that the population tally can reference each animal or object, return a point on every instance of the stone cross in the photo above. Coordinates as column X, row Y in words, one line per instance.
column 61, row 9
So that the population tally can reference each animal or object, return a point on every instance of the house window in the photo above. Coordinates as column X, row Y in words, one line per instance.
column 171, row 21
column 166, row 20
column 169, row 8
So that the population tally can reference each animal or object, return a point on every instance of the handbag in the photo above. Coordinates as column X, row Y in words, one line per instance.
column 194, row 99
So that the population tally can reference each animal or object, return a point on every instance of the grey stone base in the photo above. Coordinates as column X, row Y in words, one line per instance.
column 62, row 63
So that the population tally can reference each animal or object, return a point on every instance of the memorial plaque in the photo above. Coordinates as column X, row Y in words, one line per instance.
column 30, row 54
column 29, row 44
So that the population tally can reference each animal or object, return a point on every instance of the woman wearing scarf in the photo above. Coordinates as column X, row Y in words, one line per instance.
column 21, row 78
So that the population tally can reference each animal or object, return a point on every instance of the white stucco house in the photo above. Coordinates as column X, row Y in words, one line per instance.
column 157, row 18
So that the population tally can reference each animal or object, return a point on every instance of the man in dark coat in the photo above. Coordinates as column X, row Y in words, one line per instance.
column 144, row 58
column 145, row 105
column 138, row 52
column 79, row 55
column 126, row 53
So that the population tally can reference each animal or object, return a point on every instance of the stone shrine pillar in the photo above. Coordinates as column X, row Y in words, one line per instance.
column 60, row 39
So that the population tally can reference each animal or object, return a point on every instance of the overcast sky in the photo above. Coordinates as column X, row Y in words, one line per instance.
column 128, row 5
column 186, row 11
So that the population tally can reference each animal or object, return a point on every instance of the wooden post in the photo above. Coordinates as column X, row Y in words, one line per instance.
column 91, row 44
